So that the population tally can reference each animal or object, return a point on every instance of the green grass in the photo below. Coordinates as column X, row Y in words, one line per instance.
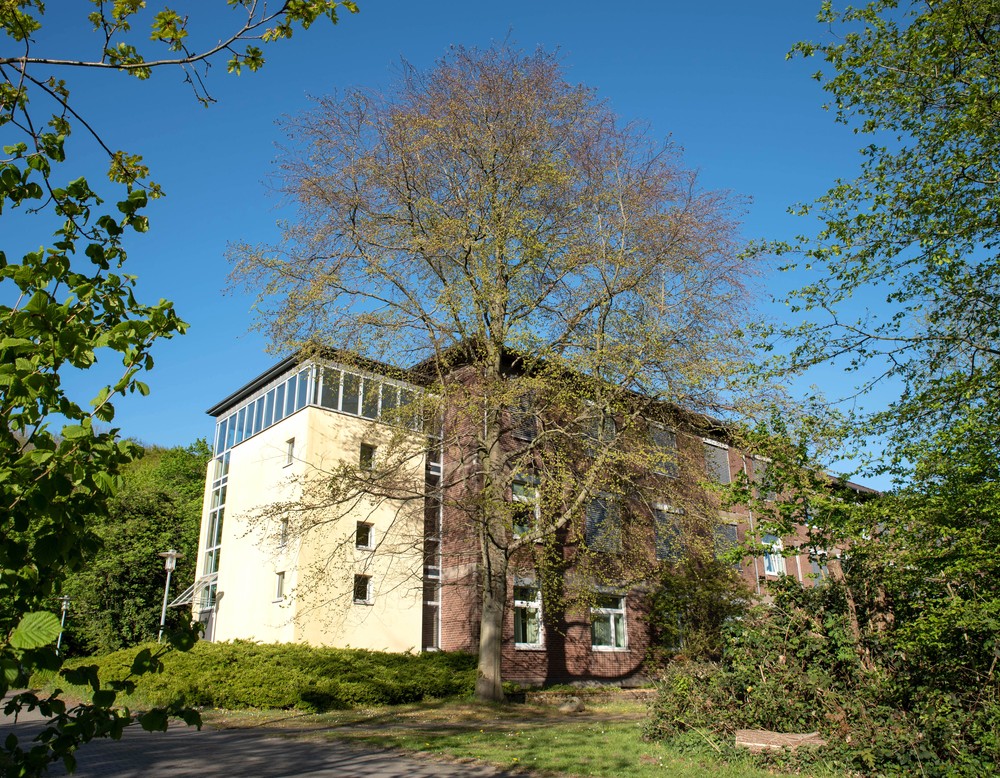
column 605, row 740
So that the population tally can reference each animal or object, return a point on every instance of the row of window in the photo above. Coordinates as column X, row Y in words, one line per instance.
column 370, row 397
column 607, row 620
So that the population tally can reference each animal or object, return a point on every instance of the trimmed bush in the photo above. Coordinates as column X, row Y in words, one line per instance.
column 243, row 674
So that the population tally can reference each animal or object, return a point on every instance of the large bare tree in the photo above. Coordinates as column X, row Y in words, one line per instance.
column 489, row 215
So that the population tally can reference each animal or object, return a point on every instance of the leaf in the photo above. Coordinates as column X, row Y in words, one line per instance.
column 35, row 630
column 154, row 720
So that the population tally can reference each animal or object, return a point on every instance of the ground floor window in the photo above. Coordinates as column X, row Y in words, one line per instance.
column 527, row 617
column 607, row 622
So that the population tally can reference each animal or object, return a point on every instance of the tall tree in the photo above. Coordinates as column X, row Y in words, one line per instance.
column 117, row 594
column 561, row 276
column 69, row 304
column 915, row 232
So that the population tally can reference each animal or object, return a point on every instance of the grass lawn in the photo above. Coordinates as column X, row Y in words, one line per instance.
column 604, row 740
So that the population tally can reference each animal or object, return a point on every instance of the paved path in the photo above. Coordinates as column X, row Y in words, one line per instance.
column 183, row 751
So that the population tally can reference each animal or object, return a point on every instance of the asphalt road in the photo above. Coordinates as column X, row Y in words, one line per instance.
column 184, row 751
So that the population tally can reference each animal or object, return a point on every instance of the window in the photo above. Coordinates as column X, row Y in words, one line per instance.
column 774, row 562
column 367, row 457
column 603, row 529
column 726, row 539
column 527, row 617
column 283, row 533
column 817, row 564
column 667, row 529
column 717, row 462
column 664, row 444
column 600, row 430
column 289, row 451
column 364, row 536
column 607, row 623
column 523, row 424
column 363, row 589
column 526, row 509
column 279, row 586
column 764, row 490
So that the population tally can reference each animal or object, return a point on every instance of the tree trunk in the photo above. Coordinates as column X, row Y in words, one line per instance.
column 489, row 682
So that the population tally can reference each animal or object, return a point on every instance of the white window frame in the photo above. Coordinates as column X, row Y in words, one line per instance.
column 369, row 599
column 533, row 605
column 283, row 533
column 289, row 452
column 279, row 586
column 529, row 484
column 601, row 612
column 774, row 561
column 371, row 536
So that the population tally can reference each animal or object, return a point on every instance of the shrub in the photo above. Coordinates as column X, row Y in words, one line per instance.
column 243, row 674
column 796, row 666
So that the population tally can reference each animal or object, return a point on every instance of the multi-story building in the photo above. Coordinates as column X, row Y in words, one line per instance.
column 286, row 557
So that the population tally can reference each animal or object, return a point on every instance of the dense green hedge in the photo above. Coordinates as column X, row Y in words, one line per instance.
column 252, row 675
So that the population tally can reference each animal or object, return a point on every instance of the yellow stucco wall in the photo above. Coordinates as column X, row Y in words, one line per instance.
column 319, row 559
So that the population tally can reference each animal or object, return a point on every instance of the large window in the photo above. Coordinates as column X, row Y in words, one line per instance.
column 603, row 531
column 607, row 623
column 717, row 462
column 774, row 561
column 667, row 529
column 523, row 423
column 527, row 617
column 664, row 444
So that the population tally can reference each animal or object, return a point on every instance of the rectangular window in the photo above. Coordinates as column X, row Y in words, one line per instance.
column 765, row 489
column 726, row 539
column 366, row 457
column 527, row 617
column 279, row 586
column 268, row 409
column 330, row 393
column 664, row 443
column 290, row 396
column 526, row 509
column 667, row 529
column 390, row 401
column 607, row 623
column 283, row 533
column 717, row 462
column 220, row 436
column 369, row 401
column 289, row 451
column 774, row 561
column 279, row 403
column 240, row 422
column 258, row 415
column 352, row 393
column 302, row 397
column 603, row 529
column 817, row 564
column 363, row 589
column 523, row 424
column 364, row 536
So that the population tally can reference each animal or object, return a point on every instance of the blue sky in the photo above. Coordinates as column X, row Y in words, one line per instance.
column 712, row 76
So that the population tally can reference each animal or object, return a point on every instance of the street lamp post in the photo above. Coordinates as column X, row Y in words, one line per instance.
column 170, row 563
column 64, row 604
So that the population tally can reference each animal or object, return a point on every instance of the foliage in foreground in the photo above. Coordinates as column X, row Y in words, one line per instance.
column 798, row 667
column 242, row 674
